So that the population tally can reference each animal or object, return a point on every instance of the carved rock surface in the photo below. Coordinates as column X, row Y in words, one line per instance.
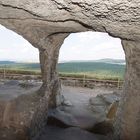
column 17, row 107
column 46, row 23
column 72, row 133
column 37, row 19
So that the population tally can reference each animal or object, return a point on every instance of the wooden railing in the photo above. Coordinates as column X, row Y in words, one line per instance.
column 87, row 81
column 84, row 82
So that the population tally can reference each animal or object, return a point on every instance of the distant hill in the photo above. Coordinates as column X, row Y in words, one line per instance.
column 19, row 65
column 107, row 60
column 115, row 61
column 90, row 66
column 101, row 68
column 6, row 62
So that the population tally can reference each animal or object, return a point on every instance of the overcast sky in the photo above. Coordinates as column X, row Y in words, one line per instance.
column 78, row 46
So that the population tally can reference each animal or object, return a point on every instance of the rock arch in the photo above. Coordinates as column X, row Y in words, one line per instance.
column 45, row 24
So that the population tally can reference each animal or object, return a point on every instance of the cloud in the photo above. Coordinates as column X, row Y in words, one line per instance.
column 1, row 27
column 14, row 47
column 90, row 46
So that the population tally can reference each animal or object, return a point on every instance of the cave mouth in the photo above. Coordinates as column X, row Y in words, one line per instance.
column 77, row 112
column 19, row 82
column 16, row 48
column 93, row 55
column 19, row 65
column 92, row 80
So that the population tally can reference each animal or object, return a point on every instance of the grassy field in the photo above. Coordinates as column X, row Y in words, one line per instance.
column 98, row 70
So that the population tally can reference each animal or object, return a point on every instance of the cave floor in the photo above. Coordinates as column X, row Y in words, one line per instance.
column 77, row 105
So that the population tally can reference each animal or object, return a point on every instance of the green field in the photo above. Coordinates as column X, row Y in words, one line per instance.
column 98, row 70
column 91, row 69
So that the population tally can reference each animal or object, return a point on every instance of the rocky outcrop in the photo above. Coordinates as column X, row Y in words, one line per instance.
column 43, row 17
column 18, row 104
column 16, row 115
column 127, row 120
column 45, row 24
column 105, row 104
column 72, row 133
column 99, row 119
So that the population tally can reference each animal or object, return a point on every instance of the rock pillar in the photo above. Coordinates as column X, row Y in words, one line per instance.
column 127, row 126
column 49, row 54
column 50, row 89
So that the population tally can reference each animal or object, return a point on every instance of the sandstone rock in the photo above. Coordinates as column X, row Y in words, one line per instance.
column 66, row 119
column 12, row 83
column 27, row 84
column 66, row 103
column 109, row 98
column 98, row 106
column 112, row 111
column 61, row 119
column 39, row 22
column 103, row 128
column 102, row 103
column 107, row 105
column 12, row 134
column 32, row 20
column 97, row 101
column 16, row 115
column 55, row 133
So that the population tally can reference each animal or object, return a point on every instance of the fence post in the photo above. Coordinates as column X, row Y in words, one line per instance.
column 4, row 72
column 118, row 83
column 84, row 79
column 75, row 83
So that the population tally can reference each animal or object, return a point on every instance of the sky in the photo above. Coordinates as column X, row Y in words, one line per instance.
column 77, row 46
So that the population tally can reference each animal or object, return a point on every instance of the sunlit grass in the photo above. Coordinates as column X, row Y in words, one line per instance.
column 78, row 70
column 97, row 75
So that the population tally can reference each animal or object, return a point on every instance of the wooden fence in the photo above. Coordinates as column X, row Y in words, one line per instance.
column 91, row 82
column 70, row 81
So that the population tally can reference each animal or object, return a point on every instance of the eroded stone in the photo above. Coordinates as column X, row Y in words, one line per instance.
column 46, row 23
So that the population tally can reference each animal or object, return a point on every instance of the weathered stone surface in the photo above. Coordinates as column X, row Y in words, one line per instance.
column 46, row 23
column 42, row 17
column 128, row 119
column 103, row 128
column 12, row 83
column 66, row 102
column 100, row 120
column 16, row 115
column 105, row 104
column 65, row 119
column 71, row 133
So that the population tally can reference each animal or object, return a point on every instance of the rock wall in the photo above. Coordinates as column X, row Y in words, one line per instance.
column 16, row 116
column 128, row 119
column 46, row 23
column 41, row 17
